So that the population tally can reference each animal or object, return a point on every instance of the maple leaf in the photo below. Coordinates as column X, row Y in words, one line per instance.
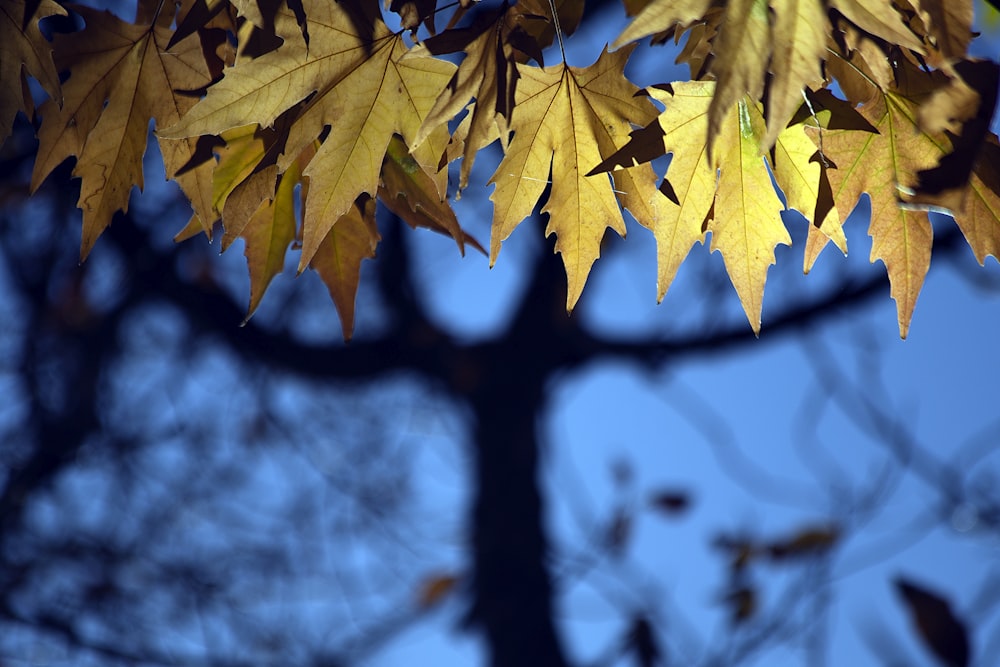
column 238, row 158
column 338, row 259
column 729, row 194
column 121, row 76
column 966, row 181
column 748, row 38
column 659, row 16
column 487, row 74
column 195, row 15
column 411, row 193
column 964, row 109
column 267, row 235
column 885, row 164
column 24, row 49
column 364, row 92
column 741, row 51
column 800, row 174
column 492, row 44
column 881, row 19
column 566, row 118
column 798, row 38
column 980, row 218
column 950, row 24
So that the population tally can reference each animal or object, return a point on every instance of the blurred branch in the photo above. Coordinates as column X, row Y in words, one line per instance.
column 893, row 431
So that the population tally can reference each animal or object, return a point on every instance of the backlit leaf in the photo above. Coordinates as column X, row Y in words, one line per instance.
column 23, row 46
column 885, row 164
column 350, row 241
column 121, row 76
column 566, row 119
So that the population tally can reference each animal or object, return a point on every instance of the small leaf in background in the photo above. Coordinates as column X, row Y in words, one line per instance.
column 642, row 643
column 739, row 549
column 941, row 631
column 809, row 541
column 670, row 502
column 742, row 603
column 619, row 531
column 621, row 473
column 435, row 588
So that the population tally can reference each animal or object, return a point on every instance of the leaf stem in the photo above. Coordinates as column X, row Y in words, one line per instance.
column 156, row 15
column 555, row 23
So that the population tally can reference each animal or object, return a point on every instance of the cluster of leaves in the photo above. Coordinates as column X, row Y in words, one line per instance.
column 267, row 108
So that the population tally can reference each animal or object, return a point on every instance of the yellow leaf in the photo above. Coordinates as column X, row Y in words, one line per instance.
column 487, row 73
column 673, row 227
column 880, row 18
column 410, row 192
column 338, row 259
column 980, row 219
column 434, row 589
column 363, row 91
column 794, row 173
column 267, row 235
column 799, row 39
column 384, row 96
column 659, row 15
column 566, row 119
column 697, row 50
column 741, row 54
column 462, row 141
column 731, row 196
column 885, row 164
column 120, row 78
column 798, row 171
column 193, row 228
column 195, row 15
column 243, row 150
column 22, row 47
column 243, row 202
column 747, row 224
column 690, row 181
column 258, row 90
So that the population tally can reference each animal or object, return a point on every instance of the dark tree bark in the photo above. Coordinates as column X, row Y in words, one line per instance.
column 513, row 588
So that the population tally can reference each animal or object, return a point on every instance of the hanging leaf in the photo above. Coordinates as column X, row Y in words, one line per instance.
column 941, row 631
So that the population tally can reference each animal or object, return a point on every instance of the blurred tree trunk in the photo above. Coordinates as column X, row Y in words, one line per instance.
column 507, row 391
column 512, row 584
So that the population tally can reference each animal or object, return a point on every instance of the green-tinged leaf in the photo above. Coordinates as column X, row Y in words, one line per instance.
column 351, row 240
column 267, row 235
